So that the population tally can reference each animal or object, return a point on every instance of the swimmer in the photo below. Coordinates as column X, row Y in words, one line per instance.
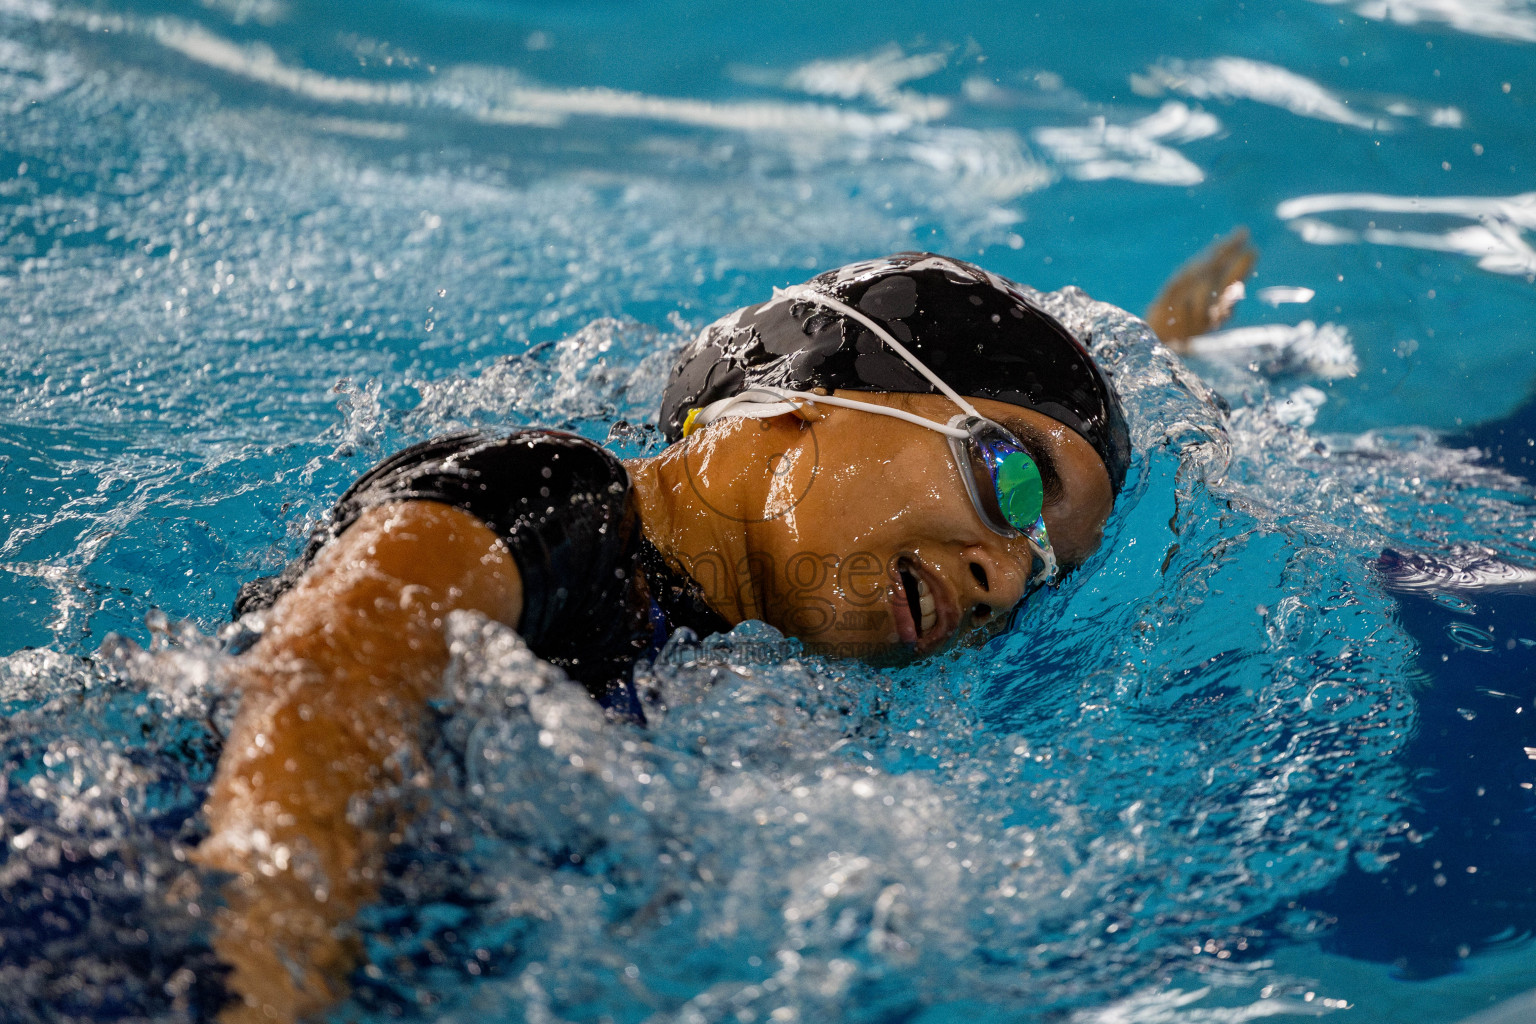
column 885, row 461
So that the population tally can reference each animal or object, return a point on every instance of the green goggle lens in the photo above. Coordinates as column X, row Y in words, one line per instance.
column 1020, row 491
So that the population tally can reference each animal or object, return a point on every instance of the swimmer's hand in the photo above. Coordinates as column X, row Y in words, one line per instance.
column 314, row 783
column 1199, row 298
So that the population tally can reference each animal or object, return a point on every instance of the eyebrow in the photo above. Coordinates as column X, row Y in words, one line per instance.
column 1038, row 446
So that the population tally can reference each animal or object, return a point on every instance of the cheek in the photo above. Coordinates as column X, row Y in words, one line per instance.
column 890, row 500
column 830, row 598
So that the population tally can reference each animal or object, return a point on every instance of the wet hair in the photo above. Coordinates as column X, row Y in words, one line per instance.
column 978, row 332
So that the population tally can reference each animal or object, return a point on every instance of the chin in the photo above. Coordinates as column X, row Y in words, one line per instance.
column 881, row 645
column 882, row 651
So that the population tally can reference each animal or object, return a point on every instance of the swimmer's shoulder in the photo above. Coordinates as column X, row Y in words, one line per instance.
column 506, row 479
column 548, row 494
column 564, row 509
column 472, row 452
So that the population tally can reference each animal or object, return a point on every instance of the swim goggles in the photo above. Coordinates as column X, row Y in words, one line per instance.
column 999, row 475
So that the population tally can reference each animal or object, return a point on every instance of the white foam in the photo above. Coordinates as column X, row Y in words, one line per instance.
column 262, row 12
column 511, row 102
column 1495, row 238
column 523, row 102
column 1445, row 117
column 32, row 10
column 1239, row 78
column 29, row 76
column 1300, row 406
column 1323, row 351
column 1517, row 209
column 1134, row 152
column 1177, row 1006
column 1496, row 19
column 1320, row 232
column 994, row 164
column 360, row 128
column 1278, row 295
column 259, row 63
column 1229, row 78
column 877, row 77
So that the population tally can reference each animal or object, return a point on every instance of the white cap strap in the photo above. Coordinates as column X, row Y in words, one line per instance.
column 759, row 403
column 806, row 292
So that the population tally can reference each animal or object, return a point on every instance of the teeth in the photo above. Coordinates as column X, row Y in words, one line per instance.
column 925, row 602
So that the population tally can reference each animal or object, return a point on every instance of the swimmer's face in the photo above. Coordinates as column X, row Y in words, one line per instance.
column 868, row 545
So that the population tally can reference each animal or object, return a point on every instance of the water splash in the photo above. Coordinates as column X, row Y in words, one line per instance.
column 1199, row 726
column 105, row 769
column 1277, row 350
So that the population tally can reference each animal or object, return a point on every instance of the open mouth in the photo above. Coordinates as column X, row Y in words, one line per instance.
column 919, row 595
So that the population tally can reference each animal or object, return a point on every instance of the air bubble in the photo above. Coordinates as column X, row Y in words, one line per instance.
column 1470, row 637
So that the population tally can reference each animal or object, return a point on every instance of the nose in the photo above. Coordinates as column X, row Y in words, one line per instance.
column 998, row 582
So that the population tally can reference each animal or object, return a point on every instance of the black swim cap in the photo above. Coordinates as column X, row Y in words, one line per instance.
column 976, row 331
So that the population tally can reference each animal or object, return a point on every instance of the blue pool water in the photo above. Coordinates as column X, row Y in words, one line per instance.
column 1270, row 756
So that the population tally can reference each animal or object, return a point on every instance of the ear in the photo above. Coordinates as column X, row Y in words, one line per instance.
column 808, row 413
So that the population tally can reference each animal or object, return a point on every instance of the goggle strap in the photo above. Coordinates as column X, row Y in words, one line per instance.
column 801, row 291
column 765, row 403
column 1040, row 543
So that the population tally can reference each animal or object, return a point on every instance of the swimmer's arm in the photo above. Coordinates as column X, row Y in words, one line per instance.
column 1200, row 296
column 314, row 782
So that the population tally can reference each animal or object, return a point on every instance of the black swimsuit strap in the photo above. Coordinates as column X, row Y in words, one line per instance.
column 677, row 594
